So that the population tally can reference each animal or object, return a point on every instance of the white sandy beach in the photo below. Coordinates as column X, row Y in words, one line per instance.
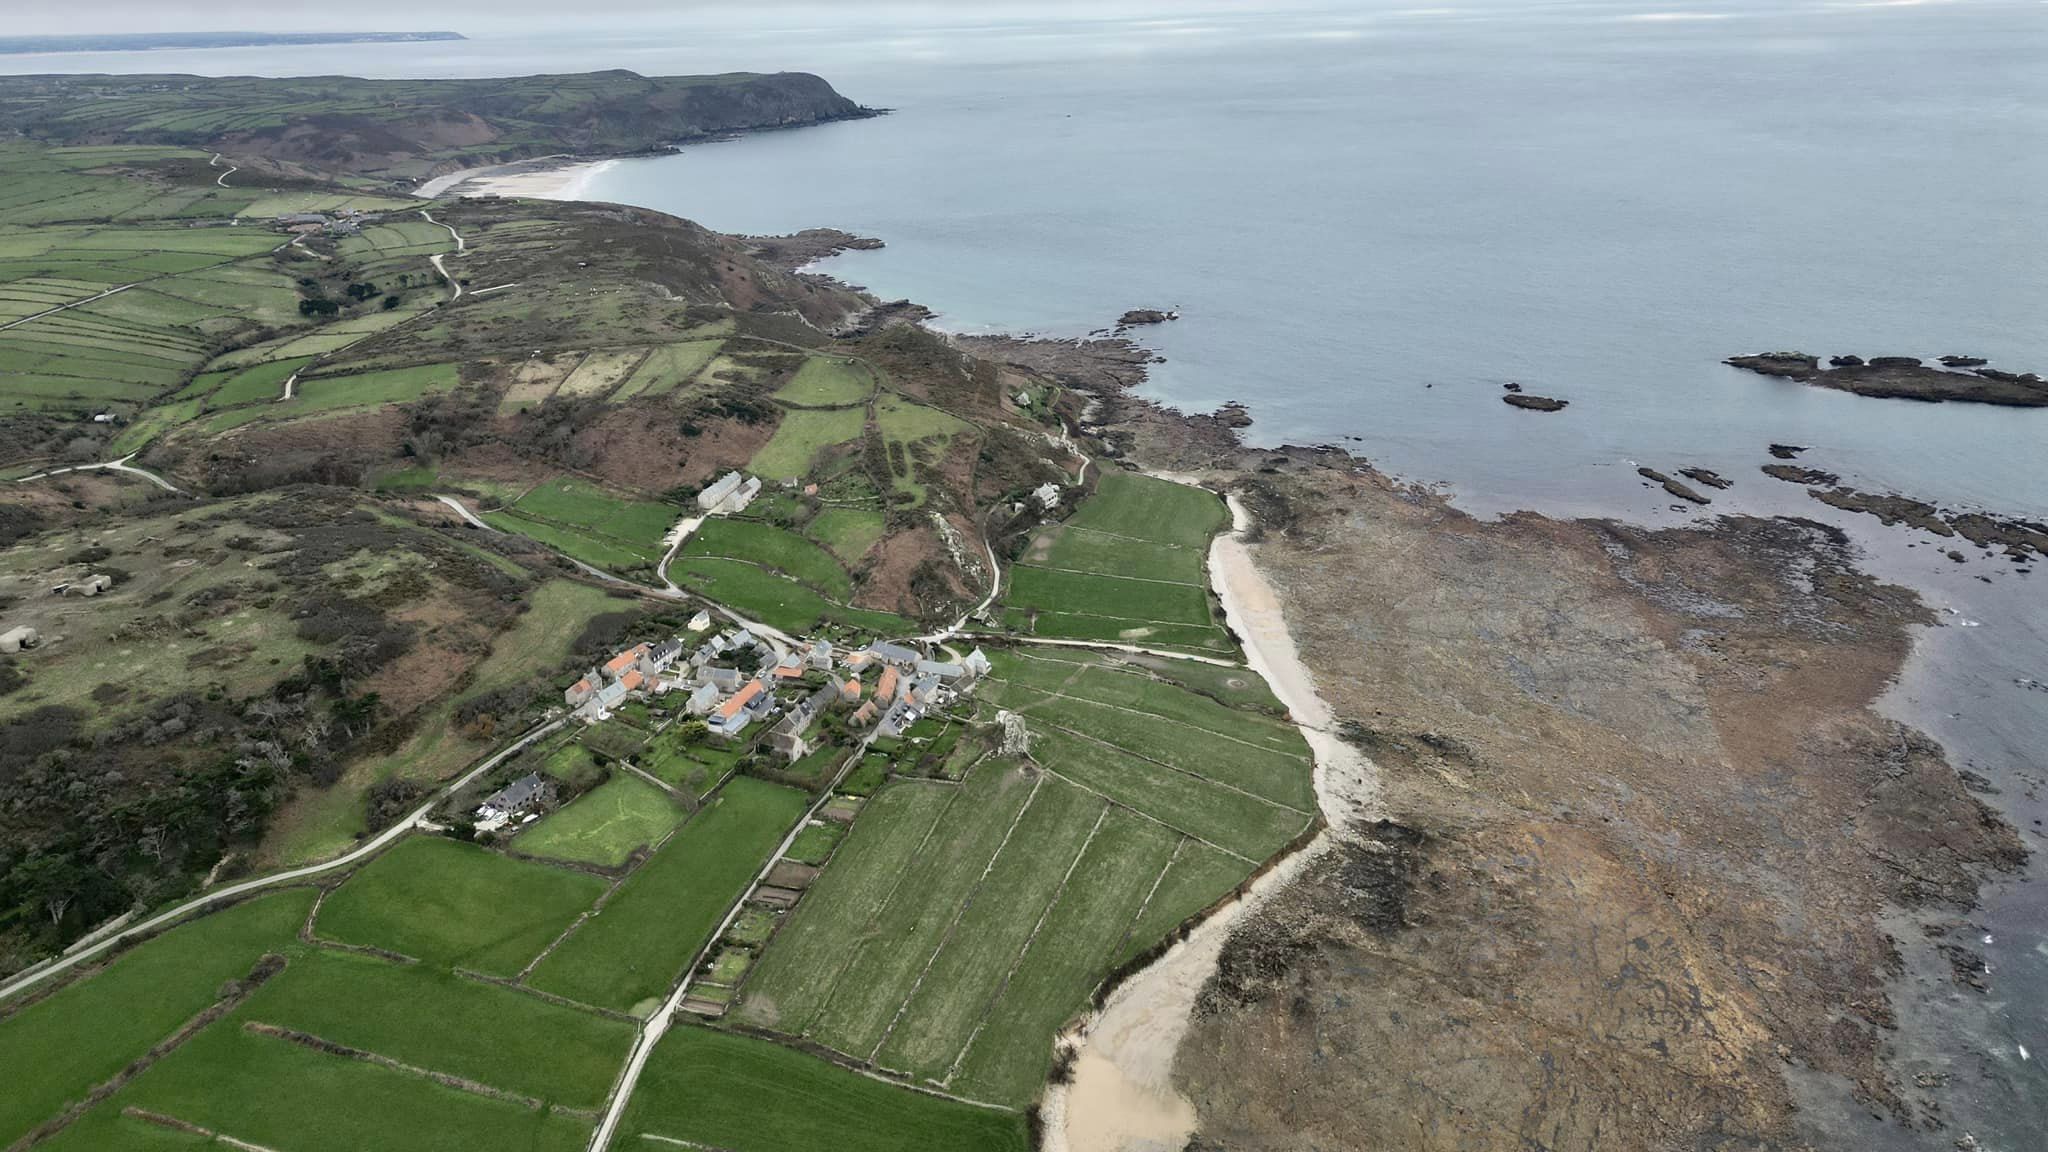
column 561, row 181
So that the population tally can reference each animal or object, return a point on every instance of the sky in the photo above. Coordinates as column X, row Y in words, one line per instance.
column 475, row 17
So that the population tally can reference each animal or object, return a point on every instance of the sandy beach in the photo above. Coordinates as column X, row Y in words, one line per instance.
column 546, row 179
column 1122, row 1097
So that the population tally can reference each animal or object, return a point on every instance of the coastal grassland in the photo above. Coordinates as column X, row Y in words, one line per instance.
column 958, row 928
column 816, row 842
column 604, row 826
column 799, row 438
column 793, row 982
column 316, row 824
column 995, row 925
column 1067, row 957
column 601, row 371
column 323, row 200
column 848, row 533
column 880, row 971
column 772, row 548
column 668, row 368
column 431, row 1018
column 633, row 950
column 275, row 1093
column 456, row 905
column 1119, row 677
column 828, row 382
column 1126, row 567
column 58, row 1048
column 234, row 387
column 1167, row 724
column 776, row 600
column 719, row 1090
column 329, row 394
column 106, row 1130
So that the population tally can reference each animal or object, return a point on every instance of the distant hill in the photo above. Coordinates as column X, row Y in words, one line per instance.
column 144, row 41
column 408, row 129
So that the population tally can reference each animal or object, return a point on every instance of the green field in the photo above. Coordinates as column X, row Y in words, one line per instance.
column 1126, row 567
column 717, row 1090
column 668, row 368
column 612, row 532
column 57, row 1049
column 957, row 929
column 827, row 382
column 604, row 826
column 432, row 1019
column 455, row 905
column 313, row 397
column 780, row 602
column 847, row 532
column 801, row 436
column 772, row 548
column 278, row 1094
column 632, row 952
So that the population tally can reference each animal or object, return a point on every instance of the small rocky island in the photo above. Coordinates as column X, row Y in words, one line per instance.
column 1535, row 403
column 1962, row 378
column 1140, row 317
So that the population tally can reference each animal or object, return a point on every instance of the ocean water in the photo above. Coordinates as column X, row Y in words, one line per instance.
column 1373, row 215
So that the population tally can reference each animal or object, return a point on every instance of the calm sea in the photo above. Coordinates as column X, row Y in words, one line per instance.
column 1372, row 216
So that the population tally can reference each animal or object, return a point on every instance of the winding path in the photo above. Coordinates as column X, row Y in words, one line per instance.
column 369, row 848
column 120, row 465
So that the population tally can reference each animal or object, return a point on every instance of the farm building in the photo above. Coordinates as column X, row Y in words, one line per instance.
column 885, row 689
column 977, row 664
column 893, row 653
column 618, row 665
column 19, row 637
column 943, row 670
column 821, row 655
column 703, row 699
column 700, row 621
column 581, row 691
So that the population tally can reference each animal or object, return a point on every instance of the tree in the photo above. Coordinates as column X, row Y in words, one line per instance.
column 50, row 883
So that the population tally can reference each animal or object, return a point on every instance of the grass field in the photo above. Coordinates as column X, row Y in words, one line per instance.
column 668, row 368
column 612, row 532
column 772, row 548
column 56, row 1050
column 847, row 533
column 718, row 1090
column 827, row 382
column 958, row 928
column 339, row 393
column 455, row 905
column 801, row 436
column 277, row 1094
column 604, row 826
column 633, row 950
column 432, row 1019
column 780, row 602
column 1126, row 567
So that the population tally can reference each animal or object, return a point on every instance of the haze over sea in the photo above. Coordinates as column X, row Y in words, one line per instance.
column 1371, row 216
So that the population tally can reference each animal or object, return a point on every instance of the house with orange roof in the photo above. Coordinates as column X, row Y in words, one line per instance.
column 850, row 691
column 616, row 666
column 633, row 680
column 581, row 691
column 731, row 718
column 885, row 690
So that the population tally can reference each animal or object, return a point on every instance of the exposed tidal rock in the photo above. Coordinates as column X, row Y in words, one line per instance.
column 1137, row 317
column 1904, row 378
column 1793, row 474
column 1787, row 451
column 1707, row 476
column 1535, row 403
column 1677, row 488
column 1964, row 361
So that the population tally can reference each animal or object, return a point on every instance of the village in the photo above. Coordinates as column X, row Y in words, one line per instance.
column 749, row 693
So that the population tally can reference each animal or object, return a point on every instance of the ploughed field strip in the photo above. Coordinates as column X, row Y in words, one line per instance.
column 961, row 925
column 1127, row 567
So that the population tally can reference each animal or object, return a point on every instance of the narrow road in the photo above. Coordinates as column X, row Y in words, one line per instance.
column 461, row 245
column 63, row 307
column 288, row 382
column 463, row 511
column 120, row 465
column 435, row 260
column 995, row 586
column 657, row 1025
column 369, row 848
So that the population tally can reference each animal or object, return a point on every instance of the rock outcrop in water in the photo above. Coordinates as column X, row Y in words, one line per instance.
column 1535, row 403
column 1905, row 377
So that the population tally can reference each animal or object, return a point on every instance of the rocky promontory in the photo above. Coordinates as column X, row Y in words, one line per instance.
column 1960, row 378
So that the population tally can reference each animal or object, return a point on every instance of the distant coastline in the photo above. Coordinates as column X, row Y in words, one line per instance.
column 152, row 41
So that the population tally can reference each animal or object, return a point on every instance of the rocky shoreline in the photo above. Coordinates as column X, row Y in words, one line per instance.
column 1960, row 378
